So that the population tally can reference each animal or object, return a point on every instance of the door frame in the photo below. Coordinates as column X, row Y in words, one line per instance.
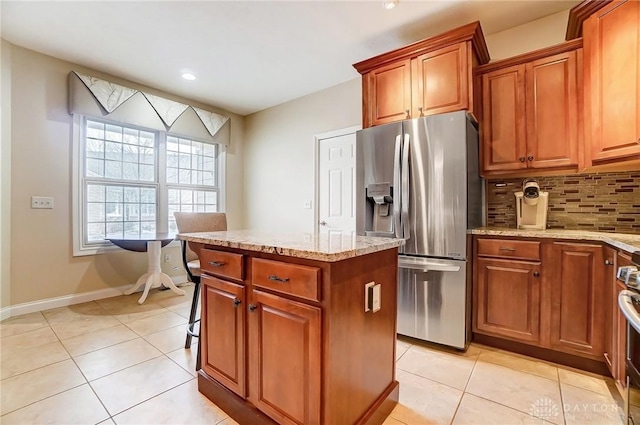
column 316, row 165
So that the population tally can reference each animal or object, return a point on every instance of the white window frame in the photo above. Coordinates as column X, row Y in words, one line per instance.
column 80, row 247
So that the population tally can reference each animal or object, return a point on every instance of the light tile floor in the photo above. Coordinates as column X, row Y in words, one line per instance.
column 113, row 361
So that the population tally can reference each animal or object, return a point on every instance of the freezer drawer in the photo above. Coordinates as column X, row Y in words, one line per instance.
column 432, row 300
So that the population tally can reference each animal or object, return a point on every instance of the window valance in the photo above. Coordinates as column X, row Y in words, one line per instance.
column 100, row 98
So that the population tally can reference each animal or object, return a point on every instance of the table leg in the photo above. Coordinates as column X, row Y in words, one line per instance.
column 154, row 276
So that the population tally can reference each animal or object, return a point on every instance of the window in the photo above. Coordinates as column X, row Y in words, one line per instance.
column 130, row 181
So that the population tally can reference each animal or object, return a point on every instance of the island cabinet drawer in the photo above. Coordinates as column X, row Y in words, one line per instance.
column 292, row 279
column 220, row 263
column 507, row 248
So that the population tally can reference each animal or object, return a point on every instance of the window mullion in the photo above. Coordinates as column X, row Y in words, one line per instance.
column 162, row 205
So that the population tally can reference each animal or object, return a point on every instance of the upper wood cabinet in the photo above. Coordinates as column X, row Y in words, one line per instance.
column 612, row 82
column 531, row 111
column 431, row 76
column 390, row 92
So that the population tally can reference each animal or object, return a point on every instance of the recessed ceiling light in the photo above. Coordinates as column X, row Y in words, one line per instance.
column 390, row 4
column 188, row 76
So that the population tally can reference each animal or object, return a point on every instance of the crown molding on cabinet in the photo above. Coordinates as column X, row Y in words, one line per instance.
column 579, row 13
column 470, row 32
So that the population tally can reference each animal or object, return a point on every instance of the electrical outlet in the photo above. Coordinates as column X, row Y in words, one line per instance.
column 42, row 202
column 375, row 298
column 307, row 205
column 368, row 294
column 167, row 258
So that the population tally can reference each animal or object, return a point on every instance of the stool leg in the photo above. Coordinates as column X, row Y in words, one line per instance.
column 192, row 316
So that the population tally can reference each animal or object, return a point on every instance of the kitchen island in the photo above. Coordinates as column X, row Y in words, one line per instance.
column 287, row 333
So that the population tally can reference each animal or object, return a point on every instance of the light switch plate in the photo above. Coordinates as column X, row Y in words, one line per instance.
column 43, row 202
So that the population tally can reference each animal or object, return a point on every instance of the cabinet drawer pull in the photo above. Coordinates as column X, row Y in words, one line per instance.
column 216, row 263
column 536, row 274
column 252, row 307
column 420, row 111
column 278, row 279
column 236, row 302
column 504, row 248
column 406, row 111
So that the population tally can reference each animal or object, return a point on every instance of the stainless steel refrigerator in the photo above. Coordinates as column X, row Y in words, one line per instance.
column 419, row 180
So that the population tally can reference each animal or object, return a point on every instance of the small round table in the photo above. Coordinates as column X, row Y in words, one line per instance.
column 154, row 277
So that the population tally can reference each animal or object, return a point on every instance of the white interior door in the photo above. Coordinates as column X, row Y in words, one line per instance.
column 336, row 183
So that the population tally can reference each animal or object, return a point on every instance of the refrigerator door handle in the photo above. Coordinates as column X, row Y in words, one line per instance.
column 405, row 187
column 397, row 196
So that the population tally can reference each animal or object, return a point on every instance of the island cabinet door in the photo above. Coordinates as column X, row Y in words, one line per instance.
column 577, row 289
column 508, row 299
column 222, row 351
column 284, row 358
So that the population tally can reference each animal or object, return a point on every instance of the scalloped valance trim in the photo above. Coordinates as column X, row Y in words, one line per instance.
column 110, row 96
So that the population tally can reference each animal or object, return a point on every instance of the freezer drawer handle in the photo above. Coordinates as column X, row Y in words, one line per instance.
column 278, row 279
column 430, row 266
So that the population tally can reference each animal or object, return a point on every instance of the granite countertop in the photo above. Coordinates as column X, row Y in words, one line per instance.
column 321, row 247
column 626, row 242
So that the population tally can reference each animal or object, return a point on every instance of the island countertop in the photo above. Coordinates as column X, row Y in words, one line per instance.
column 312, row 246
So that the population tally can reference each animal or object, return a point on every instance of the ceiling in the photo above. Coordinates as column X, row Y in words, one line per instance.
column 247, row 55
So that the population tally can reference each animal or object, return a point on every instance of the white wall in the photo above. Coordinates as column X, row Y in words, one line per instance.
column 279, row 158
column 534, row 35
column 42, row 264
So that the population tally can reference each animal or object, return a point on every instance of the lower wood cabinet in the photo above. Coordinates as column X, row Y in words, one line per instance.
column 557, row 300
column 577, row 287
column 284, row 358
column 508, row 301
column 223, row 317
column 291, row 338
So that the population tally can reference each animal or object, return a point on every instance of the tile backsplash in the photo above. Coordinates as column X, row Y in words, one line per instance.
column 607, row 202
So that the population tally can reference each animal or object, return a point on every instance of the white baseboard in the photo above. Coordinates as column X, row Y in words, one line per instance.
column 66, row 300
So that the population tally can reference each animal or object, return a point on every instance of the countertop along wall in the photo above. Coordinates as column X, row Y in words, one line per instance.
column 42, row 264
column 279, row 143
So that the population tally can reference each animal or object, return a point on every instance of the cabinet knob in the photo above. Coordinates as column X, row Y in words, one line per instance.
column 406, row 111
column 252, row 307
column 530, row 157
column 522, row 159
column 536, row 274
column 608, row 262
column 236, row 302
column 420, row 110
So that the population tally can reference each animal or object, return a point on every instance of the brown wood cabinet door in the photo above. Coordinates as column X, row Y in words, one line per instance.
column 612, row 89
column 223, row 345
column 503, row 119
column 610, row 308
column 389, row 93
column 508, row 299
column 284, row 358
column 552, row 111
column 442, row 81
column 577, row 302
